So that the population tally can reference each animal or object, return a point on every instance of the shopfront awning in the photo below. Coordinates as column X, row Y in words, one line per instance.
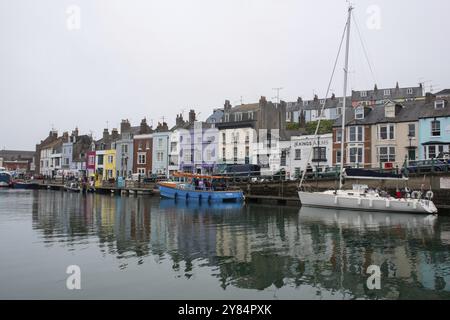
column 436, row 143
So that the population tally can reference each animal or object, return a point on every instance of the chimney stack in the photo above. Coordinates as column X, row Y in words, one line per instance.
column 179, row 120
column 114, row 134
column 125, row 126
column 144, row 128
column 105, row 134
column 429, row 97
column 53, row 134
column 191, row 116
column 227, row 105
column 262, row 100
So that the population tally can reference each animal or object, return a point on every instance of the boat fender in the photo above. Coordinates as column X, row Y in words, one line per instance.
column 336, row 200
column 414, row 205
column 429, row 195
column 370, row 203
column 388, row 203
column 416, row 195
column 359, row 201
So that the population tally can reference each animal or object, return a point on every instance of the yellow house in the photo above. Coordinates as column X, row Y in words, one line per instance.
column 109, row 171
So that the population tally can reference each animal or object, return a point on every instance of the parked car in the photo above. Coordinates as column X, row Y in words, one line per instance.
column 330, row 172
column 425, row 166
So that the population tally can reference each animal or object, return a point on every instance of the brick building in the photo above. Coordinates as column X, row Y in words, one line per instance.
column 18, row 160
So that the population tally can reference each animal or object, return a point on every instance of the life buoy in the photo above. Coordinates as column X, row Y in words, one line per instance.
column 416, row 194
column 429, row 195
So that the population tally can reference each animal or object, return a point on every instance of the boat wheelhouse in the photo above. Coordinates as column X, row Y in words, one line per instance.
column 5, row 178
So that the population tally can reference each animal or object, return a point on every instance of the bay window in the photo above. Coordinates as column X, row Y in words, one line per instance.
column 386, row 132
column 356, row 154
column 386, row 154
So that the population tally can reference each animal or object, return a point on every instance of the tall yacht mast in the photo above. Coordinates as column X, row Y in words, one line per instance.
column 344, row 101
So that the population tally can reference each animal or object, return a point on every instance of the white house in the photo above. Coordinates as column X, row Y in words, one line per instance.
column 237, row 146
column 174, row 152
column 315, row 150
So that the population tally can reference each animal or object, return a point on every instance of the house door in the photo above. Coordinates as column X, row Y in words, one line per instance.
column 412, row 154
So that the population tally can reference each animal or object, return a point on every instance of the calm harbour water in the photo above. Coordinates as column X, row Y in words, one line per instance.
column 147, row 248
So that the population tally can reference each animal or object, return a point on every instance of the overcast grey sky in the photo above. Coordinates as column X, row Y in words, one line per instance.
column 142, row 58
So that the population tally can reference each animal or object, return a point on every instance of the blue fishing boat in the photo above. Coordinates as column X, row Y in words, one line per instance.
column 199, row 188
column 5, row 178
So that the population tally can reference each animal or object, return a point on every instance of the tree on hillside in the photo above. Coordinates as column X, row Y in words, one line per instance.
column 326, row 126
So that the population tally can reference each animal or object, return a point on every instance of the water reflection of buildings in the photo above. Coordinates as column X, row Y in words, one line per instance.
column 257, row 246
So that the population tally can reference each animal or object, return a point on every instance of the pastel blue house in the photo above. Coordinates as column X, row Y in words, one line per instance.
column 160, row 156
column 434, row 129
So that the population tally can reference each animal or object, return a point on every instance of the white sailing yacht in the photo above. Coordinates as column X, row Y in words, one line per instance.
column 361, row 197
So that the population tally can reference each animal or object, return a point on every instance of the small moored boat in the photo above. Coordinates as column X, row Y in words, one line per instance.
column 200, row 188
column 72, row 187
column 26, row 185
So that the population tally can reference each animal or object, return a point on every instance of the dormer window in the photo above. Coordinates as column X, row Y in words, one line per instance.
column 439, row 104
column 409, row 91
column 387, row 92
column 363, row 94
column 322, row 101
column 359, row 113
column 227, row 117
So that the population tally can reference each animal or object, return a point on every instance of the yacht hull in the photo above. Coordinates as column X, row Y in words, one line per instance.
column 351, row 202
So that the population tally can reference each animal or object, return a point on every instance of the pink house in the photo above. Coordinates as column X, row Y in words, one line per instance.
column 90, row 163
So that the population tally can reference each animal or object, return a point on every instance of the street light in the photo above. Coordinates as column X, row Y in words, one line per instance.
column 410, row 137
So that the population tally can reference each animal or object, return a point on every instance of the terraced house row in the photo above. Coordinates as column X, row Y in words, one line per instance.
column 384, row 128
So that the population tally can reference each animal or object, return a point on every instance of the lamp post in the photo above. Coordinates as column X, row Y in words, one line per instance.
column 410, row 147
